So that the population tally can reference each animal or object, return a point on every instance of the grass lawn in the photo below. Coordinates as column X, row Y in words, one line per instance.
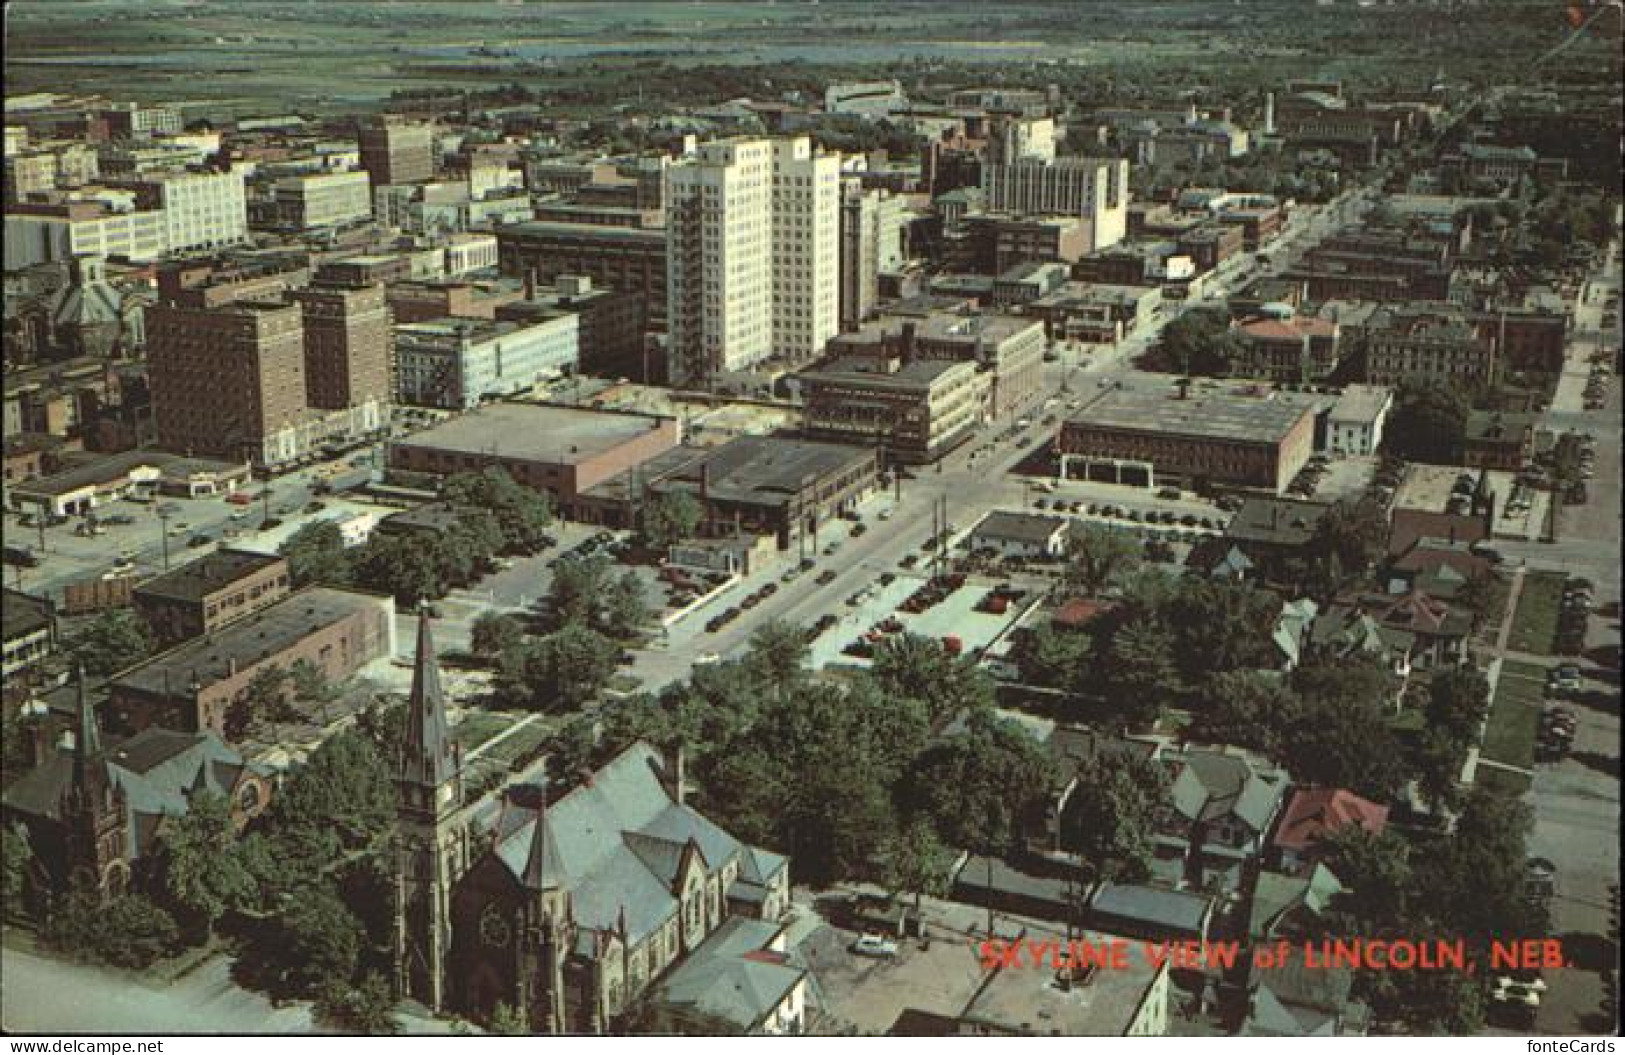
column 479, row 726
column 1515, row 715
column 1534, row 626
column 520, row 743
column 1499, row 780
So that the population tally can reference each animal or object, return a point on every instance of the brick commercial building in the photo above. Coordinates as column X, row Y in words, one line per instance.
column 1424, row 345
column 1010, row 347
column 771, row 485
column 560, row 450
column 226, row 381
column 200, row 597
column 1287, row 349
column 626, row 259
column 1152, row 438
column 917, row 409
column 394, row 151
column 192, row 686
column 1496, row 440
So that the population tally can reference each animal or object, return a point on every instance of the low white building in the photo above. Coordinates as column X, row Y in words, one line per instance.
column 470, row 252
column 1020, row 534
column 1355, row 423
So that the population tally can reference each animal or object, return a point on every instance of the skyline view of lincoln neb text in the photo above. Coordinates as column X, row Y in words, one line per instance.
column 812, row 518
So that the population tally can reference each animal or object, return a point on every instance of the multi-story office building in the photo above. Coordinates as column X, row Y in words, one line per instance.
column 918, row 409
column 134, row 120
column 1419, row 345
column 314, row 201
column 396, row 151
column 455, row 363
column 719, row 260
column 201, row 210
column 1010, row 348
column 806, row 247
column 752, row 271
column 1014, row 138
column 1093, row 188
column 626, row 259
column 227, row 381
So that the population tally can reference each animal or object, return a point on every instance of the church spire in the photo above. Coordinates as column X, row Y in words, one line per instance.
column 544, row 865
column 427, row 758
column 87, row 741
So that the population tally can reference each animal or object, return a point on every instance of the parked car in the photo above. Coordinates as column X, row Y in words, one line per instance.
column 874, row 945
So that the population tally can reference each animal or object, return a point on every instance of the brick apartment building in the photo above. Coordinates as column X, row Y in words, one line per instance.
column 192, row 686
column 349, row 346
column 201, row 597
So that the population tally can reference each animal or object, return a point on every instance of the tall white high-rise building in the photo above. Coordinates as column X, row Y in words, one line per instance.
column 806, row 249
column 752, row 271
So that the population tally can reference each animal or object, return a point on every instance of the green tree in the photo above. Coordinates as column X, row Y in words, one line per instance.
column 1138, row 669
column 577, row 592
column 1220, row 626
column 982, row 787
column 316, row 554
column 522, row 514
column 670, row 518
column 267, row 700
column 1098, row 559
column 1485, row 596
column 111, row 641
column 15, row 855
column 561, row 671
column 127, row 931
column 315, row 943
column 309, row 684
column 1428, row 423
column 367, row 1007
column 506, row 1021
column 625, row 608
column 916, row 862
column 345, row 787
column 496, row 632
column 1056, row 658
column 1342, row 738
column 409, row 568
column 920, row 668
column 1110, row 818
column 1200, row 343
column 1457, row 700
column 1355, row 534
column 200, row 875
column 778, row 653
column 1473, row 881
column 1247, row 708
column 1375, row 871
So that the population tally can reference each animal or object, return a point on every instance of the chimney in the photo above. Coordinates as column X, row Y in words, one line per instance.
column 530, row 283
column 908, row 343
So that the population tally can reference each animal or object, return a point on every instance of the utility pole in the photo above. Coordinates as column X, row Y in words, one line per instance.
column 163, row 535
column 265, row 504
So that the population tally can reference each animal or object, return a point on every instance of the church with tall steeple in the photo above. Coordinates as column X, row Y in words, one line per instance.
column 561, row 911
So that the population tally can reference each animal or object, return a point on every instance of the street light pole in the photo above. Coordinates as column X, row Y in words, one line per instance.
column 163, row 535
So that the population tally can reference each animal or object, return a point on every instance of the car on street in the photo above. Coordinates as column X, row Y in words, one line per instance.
column 874, row 945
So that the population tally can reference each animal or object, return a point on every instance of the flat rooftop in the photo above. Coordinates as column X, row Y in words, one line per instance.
column 268, row 632
column 1203, row 416
column 653, row 236
column 866, row 370
column 535, row 431
column 766, row 470
column 204, row 576
column 1361, row 403
column 113, row 467
column 1032, row 1003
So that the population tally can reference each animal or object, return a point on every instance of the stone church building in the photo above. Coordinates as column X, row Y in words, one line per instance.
column 566, row 912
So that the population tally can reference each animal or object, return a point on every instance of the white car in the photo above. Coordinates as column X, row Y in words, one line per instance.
column 874, row 945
